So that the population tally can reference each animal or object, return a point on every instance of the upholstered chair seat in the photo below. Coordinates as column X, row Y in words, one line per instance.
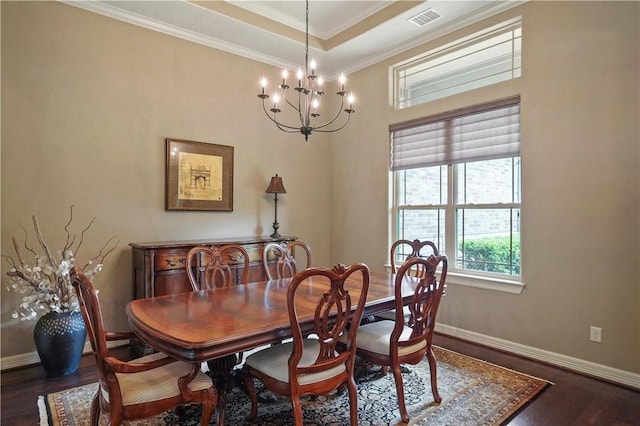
column 158, row 383
column 374, row 337
column 274, row 363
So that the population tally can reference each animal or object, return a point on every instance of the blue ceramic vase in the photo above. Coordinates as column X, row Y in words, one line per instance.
column 59, row 339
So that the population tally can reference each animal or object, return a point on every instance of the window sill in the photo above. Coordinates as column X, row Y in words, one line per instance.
column 488, row 283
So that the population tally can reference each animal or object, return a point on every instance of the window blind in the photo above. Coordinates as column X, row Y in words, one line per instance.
column 482, row 132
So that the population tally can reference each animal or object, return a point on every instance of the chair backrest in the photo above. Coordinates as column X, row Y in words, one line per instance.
column 284, row 252
column 210, row 267
column 90, row 309
column 338, row 311
column 425, row 301
column 410, row 249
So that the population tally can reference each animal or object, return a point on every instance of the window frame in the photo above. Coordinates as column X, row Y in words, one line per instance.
column 479, row 279
column 400, row 72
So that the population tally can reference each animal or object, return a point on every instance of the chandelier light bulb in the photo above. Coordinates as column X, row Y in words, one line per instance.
column 300, row 74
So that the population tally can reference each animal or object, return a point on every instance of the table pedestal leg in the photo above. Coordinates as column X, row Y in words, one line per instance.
column 222, row 372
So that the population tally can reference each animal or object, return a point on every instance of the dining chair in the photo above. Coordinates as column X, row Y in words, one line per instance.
column 215, row 266
column 392, row 343
column 312, row 365
column 211, row 267
column 285, row 265
column 144, row 386
column 401, row 251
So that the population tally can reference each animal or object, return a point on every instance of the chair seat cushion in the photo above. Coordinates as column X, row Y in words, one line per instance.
column 376, row 337
column 158, row 383
column 274, row 362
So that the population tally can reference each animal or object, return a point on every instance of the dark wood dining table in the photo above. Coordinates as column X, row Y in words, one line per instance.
column 212, row 324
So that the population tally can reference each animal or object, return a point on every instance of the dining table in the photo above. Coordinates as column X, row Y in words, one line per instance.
column 215, row 324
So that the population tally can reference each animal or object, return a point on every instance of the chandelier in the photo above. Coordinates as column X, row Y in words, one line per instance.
column 310, row 91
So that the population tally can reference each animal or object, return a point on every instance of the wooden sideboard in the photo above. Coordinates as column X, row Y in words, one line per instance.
column 159, row 267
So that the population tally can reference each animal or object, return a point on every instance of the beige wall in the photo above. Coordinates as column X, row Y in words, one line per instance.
column 581, row 196
column 87, row 102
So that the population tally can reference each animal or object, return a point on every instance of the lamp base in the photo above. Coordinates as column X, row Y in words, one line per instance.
column 275, row 234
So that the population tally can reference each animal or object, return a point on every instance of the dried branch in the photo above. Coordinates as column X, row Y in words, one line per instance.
column 82, row 235
column 42, row 243
column 32, row 283
column 17, row 249
column 10, row 261
column 100, row 254
column 26, row 237
column 68, row 244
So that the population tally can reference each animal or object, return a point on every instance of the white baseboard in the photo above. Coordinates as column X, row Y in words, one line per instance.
column 589, row 368
column 31, row 358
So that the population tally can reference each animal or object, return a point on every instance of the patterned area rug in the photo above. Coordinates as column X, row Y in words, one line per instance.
column 473, row 392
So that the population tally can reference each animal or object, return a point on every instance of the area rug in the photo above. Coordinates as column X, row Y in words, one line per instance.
column 473, row 392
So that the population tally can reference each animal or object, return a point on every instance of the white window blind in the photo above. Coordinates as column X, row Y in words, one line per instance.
column 483, row 132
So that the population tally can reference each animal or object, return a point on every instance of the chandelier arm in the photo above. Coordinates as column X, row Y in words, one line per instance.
column 328, row 123
column 320, row 130
column 287, row 129
column 280, row 125
column 284, row 97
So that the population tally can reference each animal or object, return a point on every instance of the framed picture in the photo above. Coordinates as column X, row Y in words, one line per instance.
column 199, row 176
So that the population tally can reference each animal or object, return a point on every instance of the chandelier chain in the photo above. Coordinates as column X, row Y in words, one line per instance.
column 306, row 44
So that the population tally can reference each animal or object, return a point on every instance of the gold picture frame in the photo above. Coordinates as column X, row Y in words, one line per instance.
column 199, row 176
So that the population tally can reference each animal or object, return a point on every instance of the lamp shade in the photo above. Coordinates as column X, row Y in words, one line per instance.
column 276, row 186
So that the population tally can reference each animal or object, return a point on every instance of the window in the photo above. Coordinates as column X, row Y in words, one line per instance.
column 481, row 59
column 457, row 183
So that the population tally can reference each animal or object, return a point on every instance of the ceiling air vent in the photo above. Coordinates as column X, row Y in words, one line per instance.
column 423, row 18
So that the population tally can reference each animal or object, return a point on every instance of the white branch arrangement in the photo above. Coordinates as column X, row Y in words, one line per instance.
column 46, row 285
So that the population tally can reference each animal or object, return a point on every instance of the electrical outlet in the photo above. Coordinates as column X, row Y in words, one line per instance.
column 596, row 334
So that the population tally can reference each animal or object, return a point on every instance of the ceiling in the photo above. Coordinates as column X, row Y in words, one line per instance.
column 344, row 36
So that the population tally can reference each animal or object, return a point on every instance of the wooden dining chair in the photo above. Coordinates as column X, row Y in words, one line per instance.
column 401, row 251
column 312, row 366
column 144, row 386
column 285, row 265
column 392, row 343
column 210, row 267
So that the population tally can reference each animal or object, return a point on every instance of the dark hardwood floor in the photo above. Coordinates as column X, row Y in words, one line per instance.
column 573, row 400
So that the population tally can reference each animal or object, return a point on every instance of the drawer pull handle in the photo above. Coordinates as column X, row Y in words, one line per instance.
column 181, row 261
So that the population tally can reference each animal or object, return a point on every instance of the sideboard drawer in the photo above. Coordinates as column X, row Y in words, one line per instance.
column 167, row 261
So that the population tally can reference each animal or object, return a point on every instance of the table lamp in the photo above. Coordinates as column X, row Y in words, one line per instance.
column 276, row 187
